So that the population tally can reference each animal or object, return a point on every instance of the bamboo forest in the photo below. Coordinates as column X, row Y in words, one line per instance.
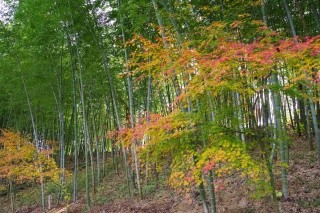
column 159, row 106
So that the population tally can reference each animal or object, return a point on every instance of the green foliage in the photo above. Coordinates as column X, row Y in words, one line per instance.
column 3, row 189
column 149, row 188
column 306, row 203
column 66, row 195
column 28, row 198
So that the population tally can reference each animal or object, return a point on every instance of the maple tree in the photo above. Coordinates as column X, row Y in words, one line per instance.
column 21, row 162
column 217, row 65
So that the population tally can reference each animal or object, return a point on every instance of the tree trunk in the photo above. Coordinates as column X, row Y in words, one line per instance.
column 203, row 198
column 75, row 109
column 210, row 181
column 290, row 20
column 11, row 192
column 314, row 120
column 315, row 14
column 308, row 127
column 276, row 99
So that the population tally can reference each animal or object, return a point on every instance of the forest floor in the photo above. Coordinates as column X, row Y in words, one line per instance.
column 303, row 181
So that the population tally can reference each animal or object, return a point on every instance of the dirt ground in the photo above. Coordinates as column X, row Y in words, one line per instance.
column 303, row 181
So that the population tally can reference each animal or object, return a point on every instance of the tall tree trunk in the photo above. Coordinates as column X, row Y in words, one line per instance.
column 11, row 193
column 34, row 128
column 264, row 14
column 75, row 109
column 96, row 140
column 279, row 132
column 314, row 120
column 84, row 112
column 289, row 17
column 308, row 126
column 315, row 14
column 210, row 182
column 162, row 33
column 130, row 96
column 301, row 11
column 203, row 198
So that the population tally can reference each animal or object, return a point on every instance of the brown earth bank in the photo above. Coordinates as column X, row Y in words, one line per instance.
column 303, row 180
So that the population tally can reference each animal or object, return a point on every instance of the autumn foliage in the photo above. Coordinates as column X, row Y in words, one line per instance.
column 220, row 63
column 219, row 58
column 20, row 161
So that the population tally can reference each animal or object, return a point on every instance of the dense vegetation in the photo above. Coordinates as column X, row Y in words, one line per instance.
column 193, row 90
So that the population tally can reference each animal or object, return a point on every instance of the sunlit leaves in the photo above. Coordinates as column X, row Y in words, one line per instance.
column 222, row 62
column 226, row 155
column 20, row 161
